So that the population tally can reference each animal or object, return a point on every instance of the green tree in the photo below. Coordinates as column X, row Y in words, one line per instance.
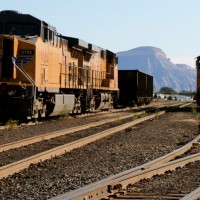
column 186, row 93
column 167, row 90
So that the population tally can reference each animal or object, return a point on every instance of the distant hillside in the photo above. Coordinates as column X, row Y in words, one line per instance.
column 154, row 61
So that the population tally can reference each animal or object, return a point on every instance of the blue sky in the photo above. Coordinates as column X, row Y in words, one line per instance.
column 120, row 25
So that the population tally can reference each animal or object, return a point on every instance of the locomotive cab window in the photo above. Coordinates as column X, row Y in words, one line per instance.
column 22, row 29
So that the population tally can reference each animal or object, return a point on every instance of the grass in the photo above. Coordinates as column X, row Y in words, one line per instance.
column 65, row 113
column 194, row 111
column 10, row 125
column 135, row 117
column 157, row 112
column 118, row 120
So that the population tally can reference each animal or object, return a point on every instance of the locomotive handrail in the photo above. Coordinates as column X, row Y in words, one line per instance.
column 26, row 75
column 23, row 72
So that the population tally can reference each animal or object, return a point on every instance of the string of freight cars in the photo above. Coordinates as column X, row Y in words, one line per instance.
column 43, row 73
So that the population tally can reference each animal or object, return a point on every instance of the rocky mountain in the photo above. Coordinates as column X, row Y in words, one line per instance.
column 154, row 61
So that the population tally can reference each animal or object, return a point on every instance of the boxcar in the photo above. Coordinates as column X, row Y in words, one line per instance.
column 135, row 88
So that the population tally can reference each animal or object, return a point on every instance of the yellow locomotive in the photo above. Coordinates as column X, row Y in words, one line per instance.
column 43, row 73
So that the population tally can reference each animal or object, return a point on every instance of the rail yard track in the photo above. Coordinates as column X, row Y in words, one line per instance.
column 112, row 152
column 17, row 143
column 128, row 127
column 47, row 149
column 121, row 186
column 62, row 147
column 48, row 136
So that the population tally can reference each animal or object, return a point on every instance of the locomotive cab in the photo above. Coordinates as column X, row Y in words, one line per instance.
column 24, row 25
column 19, row 34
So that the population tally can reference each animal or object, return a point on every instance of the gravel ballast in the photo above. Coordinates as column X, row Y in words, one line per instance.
column 100, row 159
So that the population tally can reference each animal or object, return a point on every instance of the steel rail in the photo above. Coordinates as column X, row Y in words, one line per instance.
column 108, row 186
column 179, row 104
column 129, row 195
column 16, row 144
column 185, row 104
column 47, row 136
column 182, row 104
column 194, row 195
column 22, row 164
column 159, row 169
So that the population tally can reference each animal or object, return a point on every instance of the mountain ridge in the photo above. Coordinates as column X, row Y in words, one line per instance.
column 154, row 61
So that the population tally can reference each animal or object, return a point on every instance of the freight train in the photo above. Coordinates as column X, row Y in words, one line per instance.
column 198, row 80
column 43, row 73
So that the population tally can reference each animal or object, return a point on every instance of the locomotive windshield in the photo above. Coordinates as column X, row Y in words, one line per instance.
column 20, row 29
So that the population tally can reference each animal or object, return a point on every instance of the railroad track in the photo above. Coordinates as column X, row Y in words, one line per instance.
column 24, row 163
column 19, row 165
column 16, row 144
column 119, row 186
column 194, row 195
column 97, row 148
column 158, row 105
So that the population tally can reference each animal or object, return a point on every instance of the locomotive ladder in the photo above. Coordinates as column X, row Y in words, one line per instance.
column 33, row 95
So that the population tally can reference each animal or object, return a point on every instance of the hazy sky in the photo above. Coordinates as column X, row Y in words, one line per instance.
column 120, row 25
